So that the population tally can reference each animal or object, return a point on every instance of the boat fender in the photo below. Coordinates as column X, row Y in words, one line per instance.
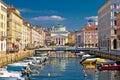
column 48, row 74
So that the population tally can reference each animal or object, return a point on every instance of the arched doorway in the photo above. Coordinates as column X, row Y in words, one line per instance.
column 114, row 44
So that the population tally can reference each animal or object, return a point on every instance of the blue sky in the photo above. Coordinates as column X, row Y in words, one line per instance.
column 48, row 13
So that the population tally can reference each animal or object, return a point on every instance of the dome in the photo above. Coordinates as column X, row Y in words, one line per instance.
column 59, row 26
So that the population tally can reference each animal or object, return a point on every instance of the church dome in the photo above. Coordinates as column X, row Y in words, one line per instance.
column 60, row 27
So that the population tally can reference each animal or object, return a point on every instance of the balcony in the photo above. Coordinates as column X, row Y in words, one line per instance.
column 2, row 38
column 18, row 39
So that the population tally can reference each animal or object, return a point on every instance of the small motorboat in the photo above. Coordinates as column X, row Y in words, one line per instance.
column 6, row 75
column 19, row 69
column 93, row 60
column 108, row 67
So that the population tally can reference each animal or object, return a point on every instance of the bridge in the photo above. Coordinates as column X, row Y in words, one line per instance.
column 112, row 54
column 63, row 49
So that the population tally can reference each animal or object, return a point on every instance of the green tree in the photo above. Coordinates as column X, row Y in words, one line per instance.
column 52, row 43
column 66, row 44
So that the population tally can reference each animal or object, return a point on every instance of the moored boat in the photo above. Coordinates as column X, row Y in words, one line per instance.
column 109, row 67
column 93, row 60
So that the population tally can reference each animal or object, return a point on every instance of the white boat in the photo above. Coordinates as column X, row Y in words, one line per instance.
column 80, row 53
column 106, row 62
column 6, row 75
column 26, row 61
column 43, row 56
column 36, row 60
column 85, row 56
column 19, row 69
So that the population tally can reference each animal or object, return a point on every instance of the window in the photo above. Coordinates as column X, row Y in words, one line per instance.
column 115, row 22
column 3, row 9
column 115, row 13
column 115, row 31
column 1, row 24
column 8, row 24
column 2, row 16
column 8, row 15
column 115, row 6
column 1, row 46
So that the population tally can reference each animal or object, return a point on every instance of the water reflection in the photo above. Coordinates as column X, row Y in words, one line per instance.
column 70, row 69
column 92, row 71
column 109, row 75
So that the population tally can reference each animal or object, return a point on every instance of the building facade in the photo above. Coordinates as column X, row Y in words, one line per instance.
column 59, row 35
column 107, row 24
column 25, row 35
column 41, row 31
column 3, row 26
column 89, row 37
column 14, row 29
column 36, row 37
column 48, row 38
column 72, row 38
column 118, row 30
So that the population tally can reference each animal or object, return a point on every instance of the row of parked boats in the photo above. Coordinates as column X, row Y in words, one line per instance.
column 101, row 63
column 22, row 70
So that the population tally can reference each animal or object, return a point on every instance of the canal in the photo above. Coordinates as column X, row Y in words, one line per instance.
column 71, row 69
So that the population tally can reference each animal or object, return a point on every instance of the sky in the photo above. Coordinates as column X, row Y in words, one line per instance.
column 48, row 13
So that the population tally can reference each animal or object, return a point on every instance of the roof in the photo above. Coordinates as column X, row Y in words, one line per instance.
column 10, row 7
column 90, row 28
column 59, row 26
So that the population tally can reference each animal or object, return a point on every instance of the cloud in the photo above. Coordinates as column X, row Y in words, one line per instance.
column 25, row 10
column 92, row 17
column 48, row 18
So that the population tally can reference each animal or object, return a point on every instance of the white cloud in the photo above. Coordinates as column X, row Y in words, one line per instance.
column 92, row 17
column 26, row 10
column 48, row 18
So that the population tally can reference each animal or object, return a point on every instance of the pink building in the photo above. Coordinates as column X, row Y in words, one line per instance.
column 89, row 36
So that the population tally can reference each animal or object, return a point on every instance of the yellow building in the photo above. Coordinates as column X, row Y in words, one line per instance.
column 72, row 38
column 41, row 31
column 14, row 28
column 3, row 27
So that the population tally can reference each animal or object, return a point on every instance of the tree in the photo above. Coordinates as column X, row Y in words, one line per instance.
column 66, row 44
column 52, row 43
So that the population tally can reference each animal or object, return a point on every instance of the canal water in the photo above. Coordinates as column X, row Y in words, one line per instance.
column 71, row 69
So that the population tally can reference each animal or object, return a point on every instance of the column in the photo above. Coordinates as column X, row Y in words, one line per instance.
column 61, row 41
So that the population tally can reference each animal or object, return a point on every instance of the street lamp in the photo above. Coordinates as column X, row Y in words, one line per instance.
column 99, row 44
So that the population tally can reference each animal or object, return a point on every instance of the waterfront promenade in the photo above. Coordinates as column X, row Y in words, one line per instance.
column 13, row 57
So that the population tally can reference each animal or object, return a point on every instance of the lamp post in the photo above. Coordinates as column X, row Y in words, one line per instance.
column 99, row 44
column 108, row 44
column 25, row 46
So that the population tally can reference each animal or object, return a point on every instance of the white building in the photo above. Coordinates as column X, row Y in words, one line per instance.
column 25, row 34
column 107, row 24
column 3, row 26
column 59, row 35
column 36, row 37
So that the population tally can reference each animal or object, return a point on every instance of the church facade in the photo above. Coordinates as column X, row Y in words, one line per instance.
column 59, row 35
